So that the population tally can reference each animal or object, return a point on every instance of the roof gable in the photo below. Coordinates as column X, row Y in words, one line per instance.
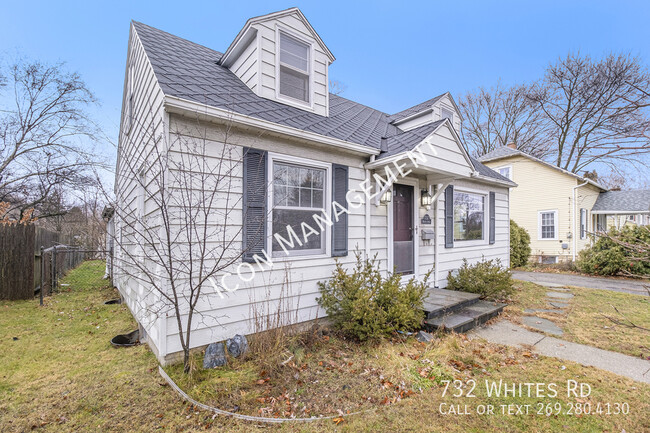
column 243, row 35
column 504, row 152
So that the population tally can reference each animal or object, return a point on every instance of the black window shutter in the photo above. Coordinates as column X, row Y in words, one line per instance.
column 449, row 217
column 493, row 217
column 255, row 188
column 340, row 227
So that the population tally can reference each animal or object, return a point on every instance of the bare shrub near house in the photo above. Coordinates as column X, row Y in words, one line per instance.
column 178, row 201
column 274, row 323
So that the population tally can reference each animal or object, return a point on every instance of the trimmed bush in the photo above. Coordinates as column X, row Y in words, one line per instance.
column 519, row 245
column 620, row 252
column 367, row 306
column 487, row 278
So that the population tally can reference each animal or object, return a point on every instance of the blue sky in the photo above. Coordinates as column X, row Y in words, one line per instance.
column 390, row 55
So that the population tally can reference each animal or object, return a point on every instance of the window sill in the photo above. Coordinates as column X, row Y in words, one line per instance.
column 290, row 258
column 470, row 243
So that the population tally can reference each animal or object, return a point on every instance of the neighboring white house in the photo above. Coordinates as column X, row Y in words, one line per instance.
column 271, row 88
column 620, row 208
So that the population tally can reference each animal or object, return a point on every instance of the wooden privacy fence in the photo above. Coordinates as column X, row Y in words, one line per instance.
column 32, row 259
column 17, row 261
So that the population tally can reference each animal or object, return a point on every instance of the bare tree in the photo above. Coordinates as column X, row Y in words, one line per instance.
column 500, row 115
column 44, row 133
column 595, row 109
column 178, row 219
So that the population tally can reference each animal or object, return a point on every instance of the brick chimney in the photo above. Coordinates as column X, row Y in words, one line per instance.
column 512, row 145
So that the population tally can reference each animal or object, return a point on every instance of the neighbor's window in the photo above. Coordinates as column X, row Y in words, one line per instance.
column 298, row 194
column 548, row 225
column 294, row 68
column 469, row 210
column 583, row 223
column 505, row 172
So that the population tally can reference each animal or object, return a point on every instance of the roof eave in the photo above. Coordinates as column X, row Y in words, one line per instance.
column 620, row 212
column 178, row 105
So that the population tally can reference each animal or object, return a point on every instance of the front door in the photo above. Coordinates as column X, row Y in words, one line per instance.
column 403, row 247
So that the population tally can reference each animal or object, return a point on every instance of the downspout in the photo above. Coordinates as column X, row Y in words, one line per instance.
column 367, row 218
column 575, row 221
column 436, row 236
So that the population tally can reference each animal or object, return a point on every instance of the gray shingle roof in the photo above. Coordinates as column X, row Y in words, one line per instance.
column 487, row 171
column 190, row 71
column 414, row 109
column 499, row 152
column 408, row 140
column 623, row 201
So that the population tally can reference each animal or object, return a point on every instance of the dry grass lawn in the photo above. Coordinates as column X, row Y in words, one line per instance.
column 62, row 375
column 586, row 321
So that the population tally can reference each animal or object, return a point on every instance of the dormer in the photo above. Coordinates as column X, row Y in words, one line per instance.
column 280, row 56
column 438, row 108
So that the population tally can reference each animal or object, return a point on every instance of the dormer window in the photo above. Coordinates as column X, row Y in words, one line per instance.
column 294, row 68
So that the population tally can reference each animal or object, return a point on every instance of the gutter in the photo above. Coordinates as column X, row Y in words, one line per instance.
column 575, row 220
column 177, row 105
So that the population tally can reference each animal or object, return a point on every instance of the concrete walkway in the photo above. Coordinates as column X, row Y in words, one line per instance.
column 617, row 285
column 508, row 333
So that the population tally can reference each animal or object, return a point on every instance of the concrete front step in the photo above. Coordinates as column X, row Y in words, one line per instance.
column 465, row 318
column 442, row 301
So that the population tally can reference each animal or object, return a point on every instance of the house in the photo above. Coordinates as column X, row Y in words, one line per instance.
column 559, row 209
column 293, row 139
column 615, row 209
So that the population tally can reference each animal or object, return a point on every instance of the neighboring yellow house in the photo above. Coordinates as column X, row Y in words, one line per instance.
column 553, row 204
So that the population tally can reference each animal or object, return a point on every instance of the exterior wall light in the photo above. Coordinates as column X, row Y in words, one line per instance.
column 386, row 197
column 425, row 198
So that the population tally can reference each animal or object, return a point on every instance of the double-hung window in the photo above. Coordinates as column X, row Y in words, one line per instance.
column 299, row 192
column 294, row 68
column 469, row 216
column 548, row 224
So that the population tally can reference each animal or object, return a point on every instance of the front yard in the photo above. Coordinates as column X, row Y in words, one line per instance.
column 58, row 372
column 586, row 320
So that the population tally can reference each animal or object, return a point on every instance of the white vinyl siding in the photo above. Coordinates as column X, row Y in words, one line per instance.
column 548, row 225
column 447, row 114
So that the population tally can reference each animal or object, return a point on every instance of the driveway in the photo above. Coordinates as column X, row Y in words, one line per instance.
column 614, row 284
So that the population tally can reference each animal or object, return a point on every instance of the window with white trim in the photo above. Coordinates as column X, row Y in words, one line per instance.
column 299, row 192
column 469, row 216
column 583, row 223
column 548, row 224
column 505, row 171
column 294, row 68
